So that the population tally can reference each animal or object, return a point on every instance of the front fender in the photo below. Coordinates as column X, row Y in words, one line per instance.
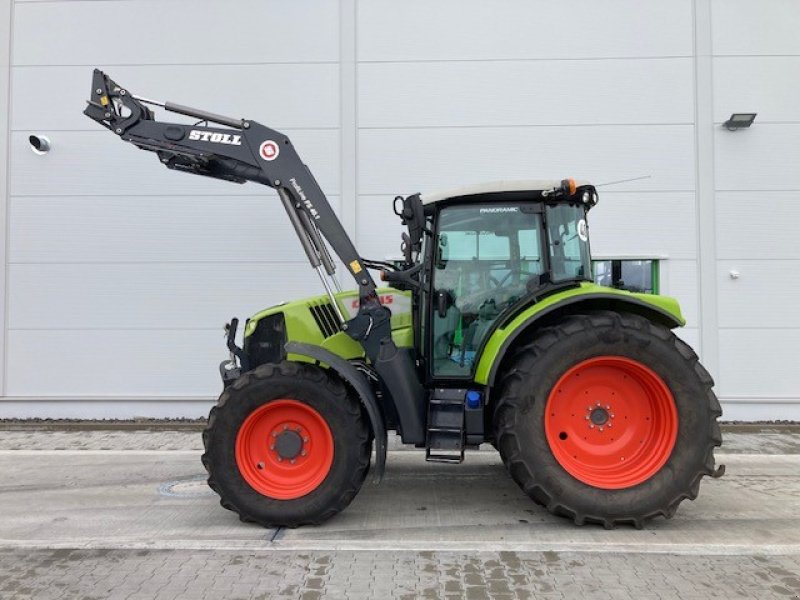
column 588, row 296
column 356, row 380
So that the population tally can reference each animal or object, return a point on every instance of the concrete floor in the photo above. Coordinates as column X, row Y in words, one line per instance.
column 115, row 492
column 154, row 499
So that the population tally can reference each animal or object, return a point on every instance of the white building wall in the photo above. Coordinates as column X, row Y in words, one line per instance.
column 121, row 273
column 756, row 54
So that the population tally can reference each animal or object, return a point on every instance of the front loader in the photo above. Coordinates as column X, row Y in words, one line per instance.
column 489, row 330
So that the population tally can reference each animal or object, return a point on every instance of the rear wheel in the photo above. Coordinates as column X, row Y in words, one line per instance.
column 286, row 445
column 607, row 418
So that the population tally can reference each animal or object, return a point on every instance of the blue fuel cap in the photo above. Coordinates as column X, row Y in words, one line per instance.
column 473, row 399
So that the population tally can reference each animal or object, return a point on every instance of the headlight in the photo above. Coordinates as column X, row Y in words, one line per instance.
column 589, row 198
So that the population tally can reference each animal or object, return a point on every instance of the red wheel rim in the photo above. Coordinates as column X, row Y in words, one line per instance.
column 284, row 449
column 611, row 422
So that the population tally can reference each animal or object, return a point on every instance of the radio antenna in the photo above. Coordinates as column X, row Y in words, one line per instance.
column 624, row 180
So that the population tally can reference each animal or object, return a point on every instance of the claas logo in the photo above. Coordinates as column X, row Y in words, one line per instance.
column 385, row 299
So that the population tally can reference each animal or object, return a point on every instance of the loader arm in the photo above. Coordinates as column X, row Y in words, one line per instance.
column 244, row 150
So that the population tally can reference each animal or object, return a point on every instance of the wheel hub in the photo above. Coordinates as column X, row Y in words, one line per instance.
column 599, row 416
column 288, row 444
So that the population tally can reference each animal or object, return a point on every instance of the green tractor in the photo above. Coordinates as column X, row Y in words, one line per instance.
column 489, row 330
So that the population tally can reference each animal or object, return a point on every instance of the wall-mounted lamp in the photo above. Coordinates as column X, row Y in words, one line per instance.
column 739, row 121
column 39, row 144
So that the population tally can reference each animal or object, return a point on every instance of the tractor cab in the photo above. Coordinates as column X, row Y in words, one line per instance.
column 490, row 250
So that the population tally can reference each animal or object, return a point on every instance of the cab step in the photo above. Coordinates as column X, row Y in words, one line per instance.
column 445, row 433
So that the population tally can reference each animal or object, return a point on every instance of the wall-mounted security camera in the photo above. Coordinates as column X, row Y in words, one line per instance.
column 40, row 144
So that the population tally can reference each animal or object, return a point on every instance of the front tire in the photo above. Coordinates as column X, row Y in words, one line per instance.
column 286, row 445
column 607, row 418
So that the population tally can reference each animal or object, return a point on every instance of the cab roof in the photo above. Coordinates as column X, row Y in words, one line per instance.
column 495, row 187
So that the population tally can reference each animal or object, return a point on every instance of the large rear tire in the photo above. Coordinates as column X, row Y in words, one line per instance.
column 607, row 418
column 286, row 445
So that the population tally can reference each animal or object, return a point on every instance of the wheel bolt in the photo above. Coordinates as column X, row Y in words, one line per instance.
column 272, row 447
column 274, row 434
column 285, row 427
column 612, row 415
column 609, row 425
column 292, row 461
column 591, row 426
column 608, row 407
column 303, row 453
column 280, row 459
column 586, row 417
column 601, row 429
column 260, row 465
column 305, row 439
column 299, row 429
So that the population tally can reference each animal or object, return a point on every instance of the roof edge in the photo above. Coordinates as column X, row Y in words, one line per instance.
column 490, row 187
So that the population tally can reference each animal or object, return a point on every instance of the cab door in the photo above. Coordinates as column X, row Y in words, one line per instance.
column 485, row 256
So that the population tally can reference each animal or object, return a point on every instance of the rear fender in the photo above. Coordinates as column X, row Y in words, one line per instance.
column 659, row 309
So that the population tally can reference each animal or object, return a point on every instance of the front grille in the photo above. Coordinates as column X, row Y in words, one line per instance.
column 326, row 319
column 265, row 344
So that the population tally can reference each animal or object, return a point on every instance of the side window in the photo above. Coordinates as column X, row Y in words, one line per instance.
column 457, row 245
column 472, row 245
column 569, row 242
column 492, row 246
column 529, row 244
column 634, row 275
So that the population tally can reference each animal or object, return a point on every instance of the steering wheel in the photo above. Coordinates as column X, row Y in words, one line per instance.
column 499, row 283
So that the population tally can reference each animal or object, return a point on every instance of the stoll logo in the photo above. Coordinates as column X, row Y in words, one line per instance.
column 217, row 138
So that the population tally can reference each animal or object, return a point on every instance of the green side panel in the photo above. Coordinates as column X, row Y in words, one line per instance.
column 500, row 335
column 301, row 326
column 403, row 337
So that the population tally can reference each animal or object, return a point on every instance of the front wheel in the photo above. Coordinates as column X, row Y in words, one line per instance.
column 609, row 418
column 286, row 445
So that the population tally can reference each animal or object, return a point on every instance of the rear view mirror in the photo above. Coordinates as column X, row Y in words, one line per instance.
column 412, row 215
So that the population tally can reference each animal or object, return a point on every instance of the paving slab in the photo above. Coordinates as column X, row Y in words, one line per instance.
column 207, row 575
column 127, row 514
column 157, row 499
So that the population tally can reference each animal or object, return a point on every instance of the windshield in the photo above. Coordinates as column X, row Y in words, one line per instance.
column 568, row 235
